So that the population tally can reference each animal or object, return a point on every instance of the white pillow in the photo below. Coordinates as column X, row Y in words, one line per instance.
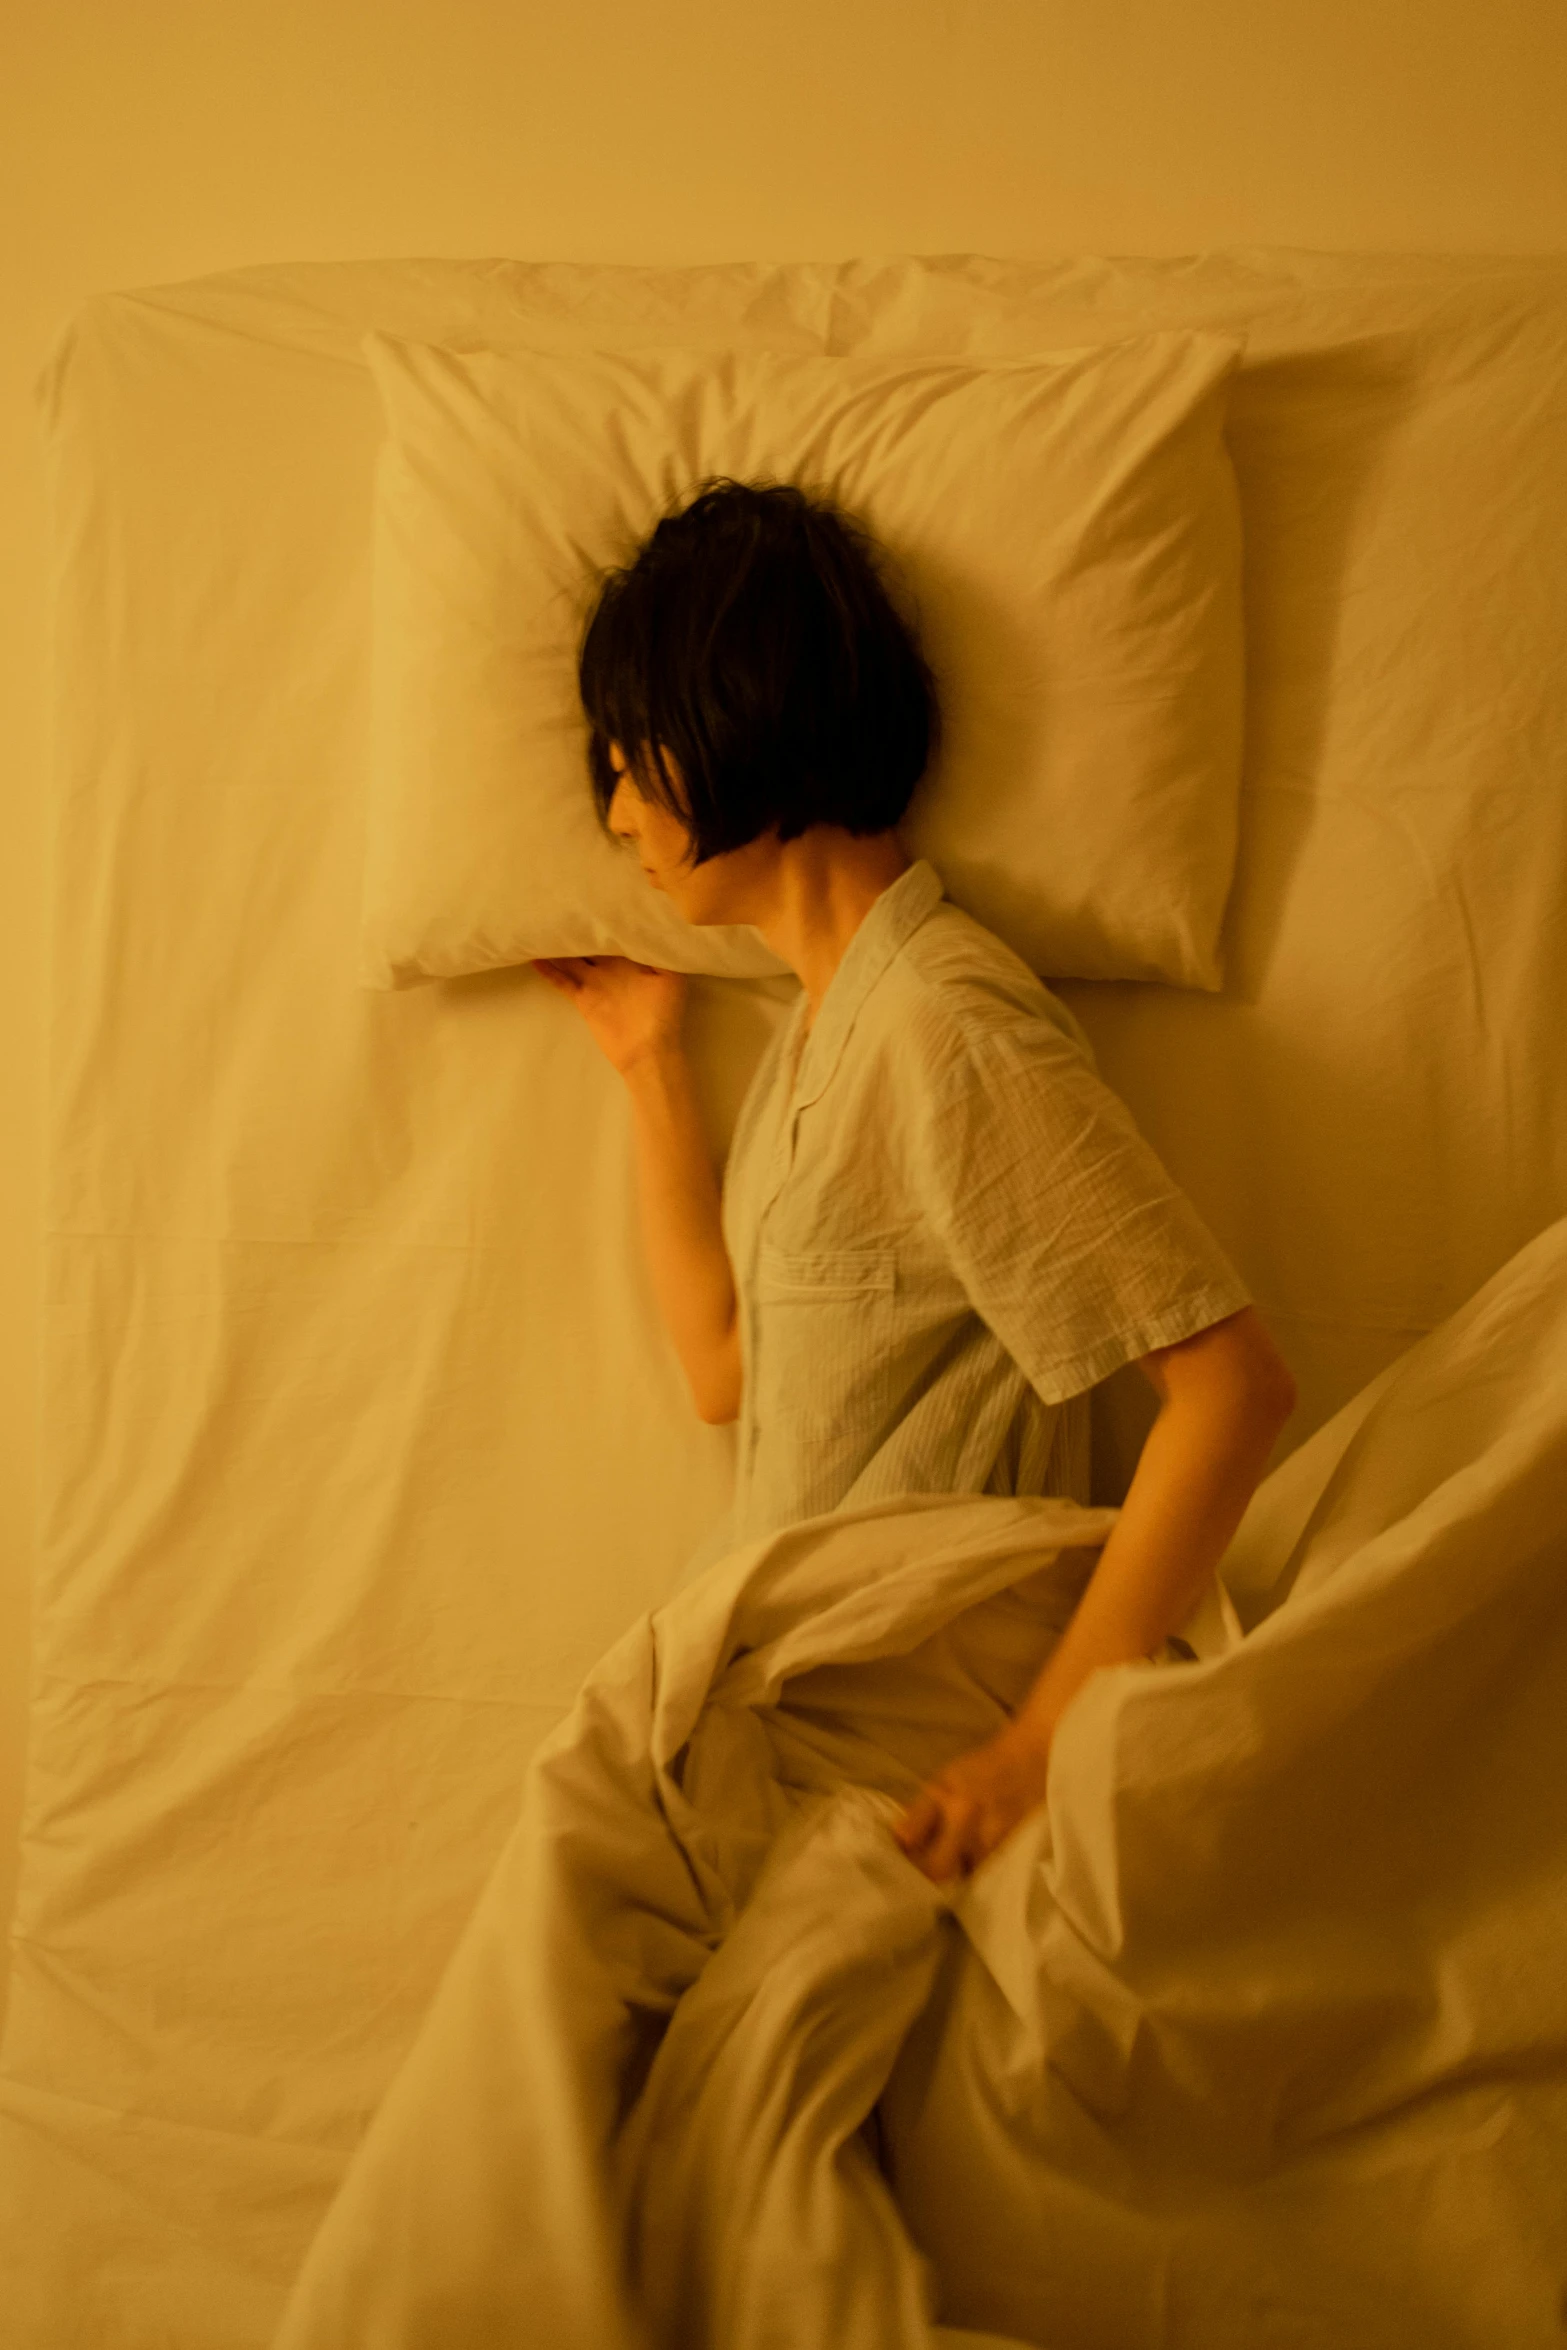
column 1067, row 526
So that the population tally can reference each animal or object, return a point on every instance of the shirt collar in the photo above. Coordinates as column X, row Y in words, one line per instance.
column 892, row 920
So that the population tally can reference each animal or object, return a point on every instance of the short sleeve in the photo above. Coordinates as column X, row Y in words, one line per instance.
column 1070, row 1239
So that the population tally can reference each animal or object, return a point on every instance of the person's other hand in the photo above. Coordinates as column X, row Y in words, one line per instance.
column 961, row 1815
column 632, row 1010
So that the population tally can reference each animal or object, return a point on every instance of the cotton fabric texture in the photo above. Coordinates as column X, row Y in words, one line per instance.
column 1064, row 525
column 944, row 1228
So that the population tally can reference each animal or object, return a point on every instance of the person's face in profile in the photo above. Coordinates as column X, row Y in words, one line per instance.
column 659, row 838
column 709, row 893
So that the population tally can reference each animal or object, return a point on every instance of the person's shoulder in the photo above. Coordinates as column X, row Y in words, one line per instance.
column 962, row 992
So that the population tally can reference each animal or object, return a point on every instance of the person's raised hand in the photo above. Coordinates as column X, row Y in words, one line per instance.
column 961, row 1815
column 633, row 1010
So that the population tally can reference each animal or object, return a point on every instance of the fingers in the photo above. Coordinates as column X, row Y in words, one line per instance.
column 918, row 1824
column 571, row 969
column 564, row 971
column 577, row 967
column 942, row 1833
column 951, row 1852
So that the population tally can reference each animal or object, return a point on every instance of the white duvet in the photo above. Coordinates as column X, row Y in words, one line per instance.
column 1254, row 2035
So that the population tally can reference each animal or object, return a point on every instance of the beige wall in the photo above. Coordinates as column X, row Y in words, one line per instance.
column 147, row 140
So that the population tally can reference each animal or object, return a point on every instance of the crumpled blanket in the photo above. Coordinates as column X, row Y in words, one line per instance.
column 1254, row 2034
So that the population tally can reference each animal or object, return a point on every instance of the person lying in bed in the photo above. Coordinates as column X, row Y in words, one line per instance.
column 937, row 1228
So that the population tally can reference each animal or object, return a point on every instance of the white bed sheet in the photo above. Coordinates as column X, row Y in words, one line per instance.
column 362, row 1439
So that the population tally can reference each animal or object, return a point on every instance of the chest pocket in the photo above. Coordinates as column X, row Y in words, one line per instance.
column 827, row 1273
column 827, row 1329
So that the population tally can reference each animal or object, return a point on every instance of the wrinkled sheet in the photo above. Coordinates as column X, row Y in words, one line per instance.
column 361, row 1438
column 1255, row 2033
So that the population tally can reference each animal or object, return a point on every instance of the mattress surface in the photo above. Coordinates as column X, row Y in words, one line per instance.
column 363, row 1438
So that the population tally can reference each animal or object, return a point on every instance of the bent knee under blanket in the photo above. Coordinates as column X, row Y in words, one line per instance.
column 1254, row 2033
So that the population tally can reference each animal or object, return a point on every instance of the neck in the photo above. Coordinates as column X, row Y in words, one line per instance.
column 816, row 893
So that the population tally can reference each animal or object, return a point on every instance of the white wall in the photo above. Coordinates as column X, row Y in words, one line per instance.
column 148, row 140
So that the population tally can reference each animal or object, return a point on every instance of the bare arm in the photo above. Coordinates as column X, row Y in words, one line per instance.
column 1224, row 1396
column 634, row 1014
column 692, row 1276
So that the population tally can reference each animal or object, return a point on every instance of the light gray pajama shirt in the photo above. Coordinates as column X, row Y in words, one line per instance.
column 944, row 1228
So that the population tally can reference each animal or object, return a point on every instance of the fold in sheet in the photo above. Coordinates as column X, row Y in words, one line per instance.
column 1254, row 2033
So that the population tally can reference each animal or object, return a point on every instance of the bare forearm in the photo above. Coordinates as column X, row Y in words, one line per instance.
column 679, row 1195
column 1225, row 1393
column 1198, row 1470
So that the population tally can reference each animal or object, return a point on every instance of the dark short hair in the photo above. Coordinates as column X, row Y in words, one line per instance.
column 755, row 637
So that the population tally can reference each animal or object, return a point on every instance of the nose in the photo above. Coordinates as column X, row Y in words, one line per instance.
column 620, row 818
